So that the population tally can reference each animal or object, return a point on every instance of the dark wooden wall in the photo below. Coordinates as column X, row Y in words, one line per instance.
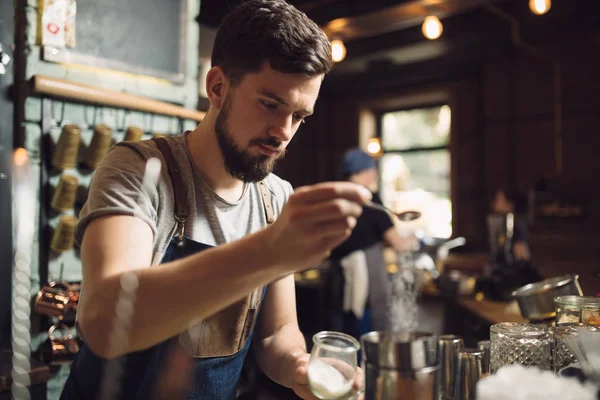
column 315, row 153
column 519, row 145
column 502, row 135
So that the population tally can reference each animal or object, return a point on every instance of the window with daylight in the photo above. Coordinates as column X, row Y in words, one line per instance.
column 415, row 165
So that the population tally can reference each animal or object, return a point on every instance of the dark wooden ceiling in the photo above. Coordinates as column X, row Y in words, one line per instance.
column 321, row 11
column 384, row 36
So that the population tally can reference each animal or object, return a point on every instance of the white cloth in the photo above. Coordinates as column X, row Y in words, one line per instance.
column 356, row 286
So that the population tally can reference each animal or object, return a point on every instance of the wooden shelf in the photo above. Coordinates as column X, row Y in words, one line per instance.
column 62, row 89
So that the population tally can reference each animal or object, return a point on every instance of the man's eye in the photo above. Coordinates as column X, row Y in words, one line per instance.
column 268, row 106
column 299, row 118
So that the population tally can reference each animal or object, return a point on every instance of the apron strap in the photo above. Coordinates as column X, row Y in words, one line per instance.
column 267, row 202
column 179, row 188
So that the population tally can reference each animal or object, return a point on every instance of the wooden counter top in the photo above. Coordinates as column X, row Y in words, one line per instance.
column 493, row 311
column 473, row 262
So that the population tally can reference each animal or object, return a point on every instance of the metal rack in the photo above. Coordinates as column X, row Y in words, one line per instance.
column 53, row 90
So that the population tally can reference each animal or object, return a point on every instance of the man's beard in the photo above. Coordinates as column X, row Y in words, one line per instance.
column 239, row 163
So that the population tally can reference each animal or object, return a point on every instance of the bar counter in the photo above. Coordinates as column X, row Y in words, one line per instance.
column 493, row 311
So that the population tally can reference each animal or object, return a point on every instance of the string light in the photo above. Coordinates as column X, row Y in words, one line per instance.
column 432, row 27
column 338, row 50
column 540, row 7
column 374, row 147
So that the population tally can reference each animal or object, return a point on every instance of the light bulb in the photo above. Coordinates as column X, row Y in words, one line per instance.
column 540, row 7
column 374, row 146
column 432, row 27
column 338, row 50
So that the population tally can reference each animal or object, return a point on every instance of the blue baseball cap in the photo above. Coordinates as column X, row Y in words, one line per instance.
column 356, row 160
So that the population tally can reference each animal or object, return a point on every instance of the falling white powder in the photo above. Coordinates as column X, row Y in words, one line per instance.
column 403, row 308
column 326, row 381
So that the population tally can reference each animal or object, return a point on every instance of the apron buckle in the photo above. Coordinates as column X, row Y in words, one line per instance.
column 180, row 229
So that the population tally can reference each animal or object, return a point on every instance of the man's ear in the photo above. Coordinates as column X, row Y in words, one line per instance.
column 216, row 86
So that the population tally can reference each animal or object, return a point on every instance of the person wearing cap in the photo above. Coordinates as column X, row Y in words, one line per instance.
column 199, row 261
column 373, row 229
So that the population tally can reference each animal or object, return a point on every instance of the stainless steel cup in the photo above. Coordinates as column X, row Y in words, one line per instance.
column 400, row 365
column 468, row 372
column 448, row 346
column 484, row 345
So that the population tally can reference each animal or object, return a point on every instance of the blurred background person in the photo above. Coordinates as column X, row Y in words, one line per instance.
column 358, row 282
column 511, row 263
column 505, row 202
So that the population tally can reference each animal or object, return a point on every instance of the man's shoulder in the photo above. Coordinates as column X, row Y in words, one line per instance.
column 279, row 187
column 133, row 155
column 148, row 148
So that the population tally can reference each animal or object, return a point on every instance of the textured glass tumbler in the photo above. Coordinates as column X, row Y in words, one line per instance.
column 562, row 356
column 516, row 343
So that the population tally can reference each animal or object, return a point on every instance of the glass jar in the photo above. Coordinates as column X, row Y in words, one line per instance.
column 517, row 343
column 577, row 310
column 333, row 364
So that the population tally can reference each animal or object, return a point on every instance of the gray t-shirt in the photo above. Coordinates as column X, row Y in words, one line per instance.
column 117, row 189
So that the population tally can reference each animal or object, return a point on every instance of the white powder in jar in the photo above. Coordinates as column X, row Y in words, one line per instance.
column 327, row 381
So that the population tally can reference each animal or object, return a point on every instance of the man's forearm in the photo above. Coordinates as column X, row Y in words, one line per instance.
column 172, row 296
column 277, row 354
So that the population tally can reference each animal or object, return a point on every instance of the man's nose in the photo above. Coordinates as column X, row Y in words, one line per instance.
column 283, row 129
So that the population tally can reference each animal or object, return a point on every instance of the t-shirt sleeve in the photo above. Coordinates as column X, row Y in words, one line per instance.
column 281, row 190
column 116, row 189
column 288, row 190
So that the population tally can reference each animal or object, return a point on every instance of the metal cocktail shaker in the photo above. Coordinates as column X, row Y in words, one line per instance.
column 468, row 372
column 400, row 365
column 448, row 346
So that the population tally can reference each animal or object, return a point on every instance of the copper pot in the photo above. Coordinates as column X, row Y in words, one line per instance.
column 60, row 350
column 57, row 299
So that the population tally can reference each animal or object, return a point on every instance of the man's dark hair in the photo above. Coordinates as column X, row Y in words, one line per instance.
column 259, row 31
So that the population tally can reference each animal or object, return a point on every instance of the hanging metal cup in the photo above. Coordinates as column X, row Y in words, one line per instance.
column 64, row 235
column 60, row 350
column 65, row 193
column 133, row 134
column 99, row 146
column 65, row 152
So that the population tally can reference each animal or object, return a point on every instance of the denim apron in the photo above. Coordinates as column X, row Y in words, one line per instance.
column 213, row 378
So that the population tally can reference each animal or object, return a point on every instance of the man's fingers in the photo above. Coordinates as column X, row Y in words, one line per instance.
column 329, row 210
column 335, row 227
column 331, row 190
column 301, row 375
column 359, row 380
